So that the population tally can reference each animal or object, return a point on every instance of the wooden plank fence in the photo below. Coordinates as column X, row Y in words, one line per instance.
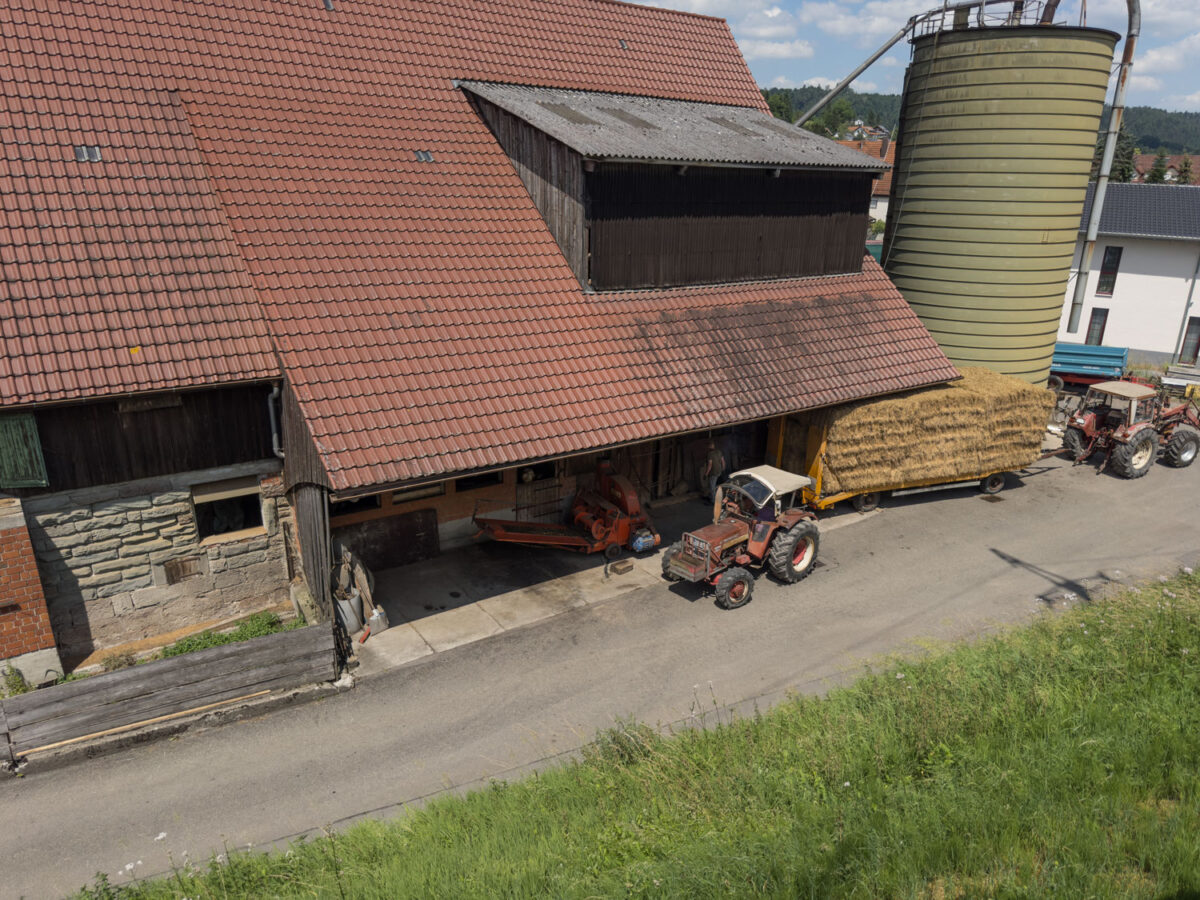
column 165, row 688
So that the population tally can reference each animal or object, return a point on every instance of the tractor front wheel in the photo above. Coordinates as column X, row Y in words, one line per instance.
column 1075, row 442
column 734, row 588
column 794, row 552
column 669, row 554
column 1134, row 459
column 1182, row 447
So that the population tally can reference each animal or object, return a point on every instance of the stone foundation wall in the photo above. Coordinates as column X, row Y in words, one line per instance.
column 107, row 556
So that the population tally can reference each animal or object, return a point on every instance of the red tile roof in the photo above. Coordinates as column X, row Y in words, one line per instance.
column 882, row 149
column 1144, row 162
column 422, row 311
column 119, row 275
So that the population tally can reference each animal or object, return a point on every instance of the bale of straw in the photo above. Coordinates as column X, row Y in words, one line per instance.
column 983, row 423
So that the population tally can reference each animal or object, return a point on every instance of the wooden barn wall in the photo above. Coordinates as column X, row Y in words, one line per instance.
column 112, row 441
column 310, row 506
column 302, row 464
column 553, row 175
column 652, row 227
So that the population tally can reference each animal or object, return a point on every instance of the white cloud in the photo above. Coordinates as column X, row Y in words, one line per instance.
column 818, row 81
column 755, row 49
column 768, row 24
column 782, row 81
column 889, row 62
column 868, row 24
column 1190, row 102
column 864, row 86
column 1169, row 57
column 1144, row 83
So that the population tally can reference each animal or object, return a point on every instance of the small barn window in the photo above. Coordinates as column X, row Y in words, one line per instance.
column 226, row 507
column 21, row 461
column 475, row 482
column 357, row 505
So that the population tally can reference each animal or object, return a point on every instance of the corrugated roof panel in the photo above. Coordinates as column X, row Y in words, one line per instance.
column 653, row 129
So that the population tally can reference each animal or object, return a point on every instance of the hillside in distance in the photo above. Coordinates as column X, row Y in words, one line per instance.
column 1151, row 128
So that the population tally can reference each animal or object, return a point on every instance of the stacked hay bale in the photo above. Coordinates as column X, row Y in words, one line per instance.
column 983, row 423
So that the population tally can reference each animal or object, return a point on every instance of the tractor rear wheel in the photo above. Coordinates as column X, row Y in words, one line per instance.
column 1182, row 447
column 794, row 552
column 734, row 587
column 1134, row 459
column 669, row 554
column 1075, row 442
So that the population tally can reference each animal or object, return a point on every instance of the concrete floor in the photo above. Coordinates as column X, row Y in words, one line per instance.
column 473, row 593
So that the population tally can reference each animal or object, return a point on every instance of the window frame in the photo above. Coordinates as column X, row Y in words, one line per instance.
column 1092, row 323
column 209, row 492
column 1107, row 282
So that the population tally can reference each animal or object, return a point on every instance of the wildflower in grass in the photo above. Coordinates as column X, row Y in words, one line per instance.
column 899, row 674
column 1187, row 570
column 161, row 835
column 845, row 784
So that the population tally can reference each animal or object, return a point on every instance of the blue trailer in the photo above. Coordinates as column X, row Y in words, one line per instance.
column 1087, row 364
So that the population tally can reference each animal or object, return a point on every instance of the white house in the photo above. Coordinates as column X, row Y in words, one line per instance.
column 1141, row 287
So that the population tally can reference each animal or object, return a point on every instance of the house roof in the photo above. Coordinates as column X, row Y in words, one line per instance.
column 418, row 304
column 1148, row 210
column 120, row 275
column 884, row 150
column 602, row 125
column 1144, row 162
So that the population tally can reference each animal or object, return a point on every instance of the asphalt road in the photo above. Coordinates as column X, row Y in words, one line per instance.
column 938, row 567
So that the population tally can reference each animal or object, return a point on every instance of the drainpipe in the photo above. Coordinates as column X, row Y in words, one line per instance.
column 272, row 399
column 1187, row 308
column 1110, row 149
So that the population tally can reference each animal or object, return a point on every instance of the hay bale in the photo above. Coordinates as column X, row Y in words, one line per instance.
column 985, row 422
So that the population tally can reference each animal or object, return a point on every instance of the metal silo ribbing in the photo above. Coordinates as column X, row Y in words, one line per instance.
column 997, row 134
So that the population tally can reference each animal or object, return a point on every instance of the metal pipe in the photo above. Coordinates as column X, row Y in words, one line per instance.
column 841, row 85
column 1110, row 149
column 891, row 42
column 272, row 398
column 1187, row 308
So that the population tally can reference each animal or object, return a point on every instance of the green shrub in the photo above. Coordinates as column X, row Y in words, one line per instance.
column 121, row 660
column 15, row 683
column 257, row 625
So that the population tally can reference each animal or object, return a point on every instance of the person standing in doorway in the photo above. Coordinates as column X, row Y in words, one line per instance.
column 714, row 468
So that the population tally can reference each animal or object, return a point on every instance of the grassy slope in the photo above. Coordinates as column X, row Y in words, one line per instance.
column 1060, row 758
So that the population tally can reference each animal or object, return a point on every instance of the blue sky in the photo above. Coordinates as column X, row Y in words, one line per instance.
column 793, row 42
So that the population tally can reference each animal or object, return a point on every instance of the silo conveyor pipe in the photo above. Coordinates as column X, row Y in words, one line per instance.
column 1110, row 149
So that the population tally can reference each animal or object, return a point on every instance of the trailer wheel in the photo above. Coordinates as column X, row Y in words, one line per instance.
column 866, row 502
column 1075, row 442
column 734, row 588
column 612, row 551
column 993, row 484
column 669, row 554
column 794, row 552
column 1055, row 383
column 1182, row 447
column 1134, row 459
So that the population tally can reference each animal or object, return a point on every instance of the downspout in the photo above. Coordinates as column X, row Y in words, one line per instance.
column 1110, row 149
column 272, row 399
column 1187, row 308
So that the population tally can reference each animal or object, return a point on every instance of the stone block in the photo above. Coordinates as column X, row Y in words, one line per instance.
column 125, row 585
column 133, row 551
column 122, row 605
column 94, row 494
column 120, row 507
column 247, row 559
column 172, row 497
column 61, row 541
column 66, row 517
column 100, row 579
column 270, row 515
column 146, row 597
column 94, row 551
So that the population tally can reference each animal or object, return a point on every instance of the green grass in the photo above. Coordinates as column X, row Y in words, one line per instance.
column 1060, row 759
column 257, row 625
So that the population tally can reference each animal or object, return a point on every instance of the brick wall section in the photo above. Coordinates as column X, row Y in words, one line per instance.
column 101, row 553
column 24, row 622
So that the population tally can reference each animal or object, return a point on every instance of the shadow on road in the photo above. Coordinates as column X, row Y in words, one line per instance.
column 1078, row 588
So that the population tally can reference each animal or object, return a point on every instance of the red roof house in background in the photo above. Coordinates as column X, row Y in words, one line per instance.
column 202, row 194
column 881, row 190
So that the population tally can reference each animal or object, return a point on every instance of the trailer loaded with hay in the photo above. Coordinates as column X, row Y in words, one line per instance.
column 970, row 431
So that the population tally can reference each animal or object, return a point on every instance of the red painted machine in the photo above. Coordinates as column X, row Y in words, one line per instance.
column 609, row 519
column 1129, row 422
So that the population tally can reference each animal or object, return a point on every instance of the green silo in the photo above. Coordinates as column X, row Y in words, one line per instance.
column 997, row 132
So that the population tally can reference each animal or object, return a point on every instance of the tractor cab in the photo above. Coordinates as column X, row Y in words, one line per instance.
column 761, row 493
column 1113, row 406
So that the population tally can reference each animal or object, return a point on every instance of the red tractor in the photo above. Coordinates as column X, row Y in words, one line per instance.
column 755, row 526
column 1128, row 422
